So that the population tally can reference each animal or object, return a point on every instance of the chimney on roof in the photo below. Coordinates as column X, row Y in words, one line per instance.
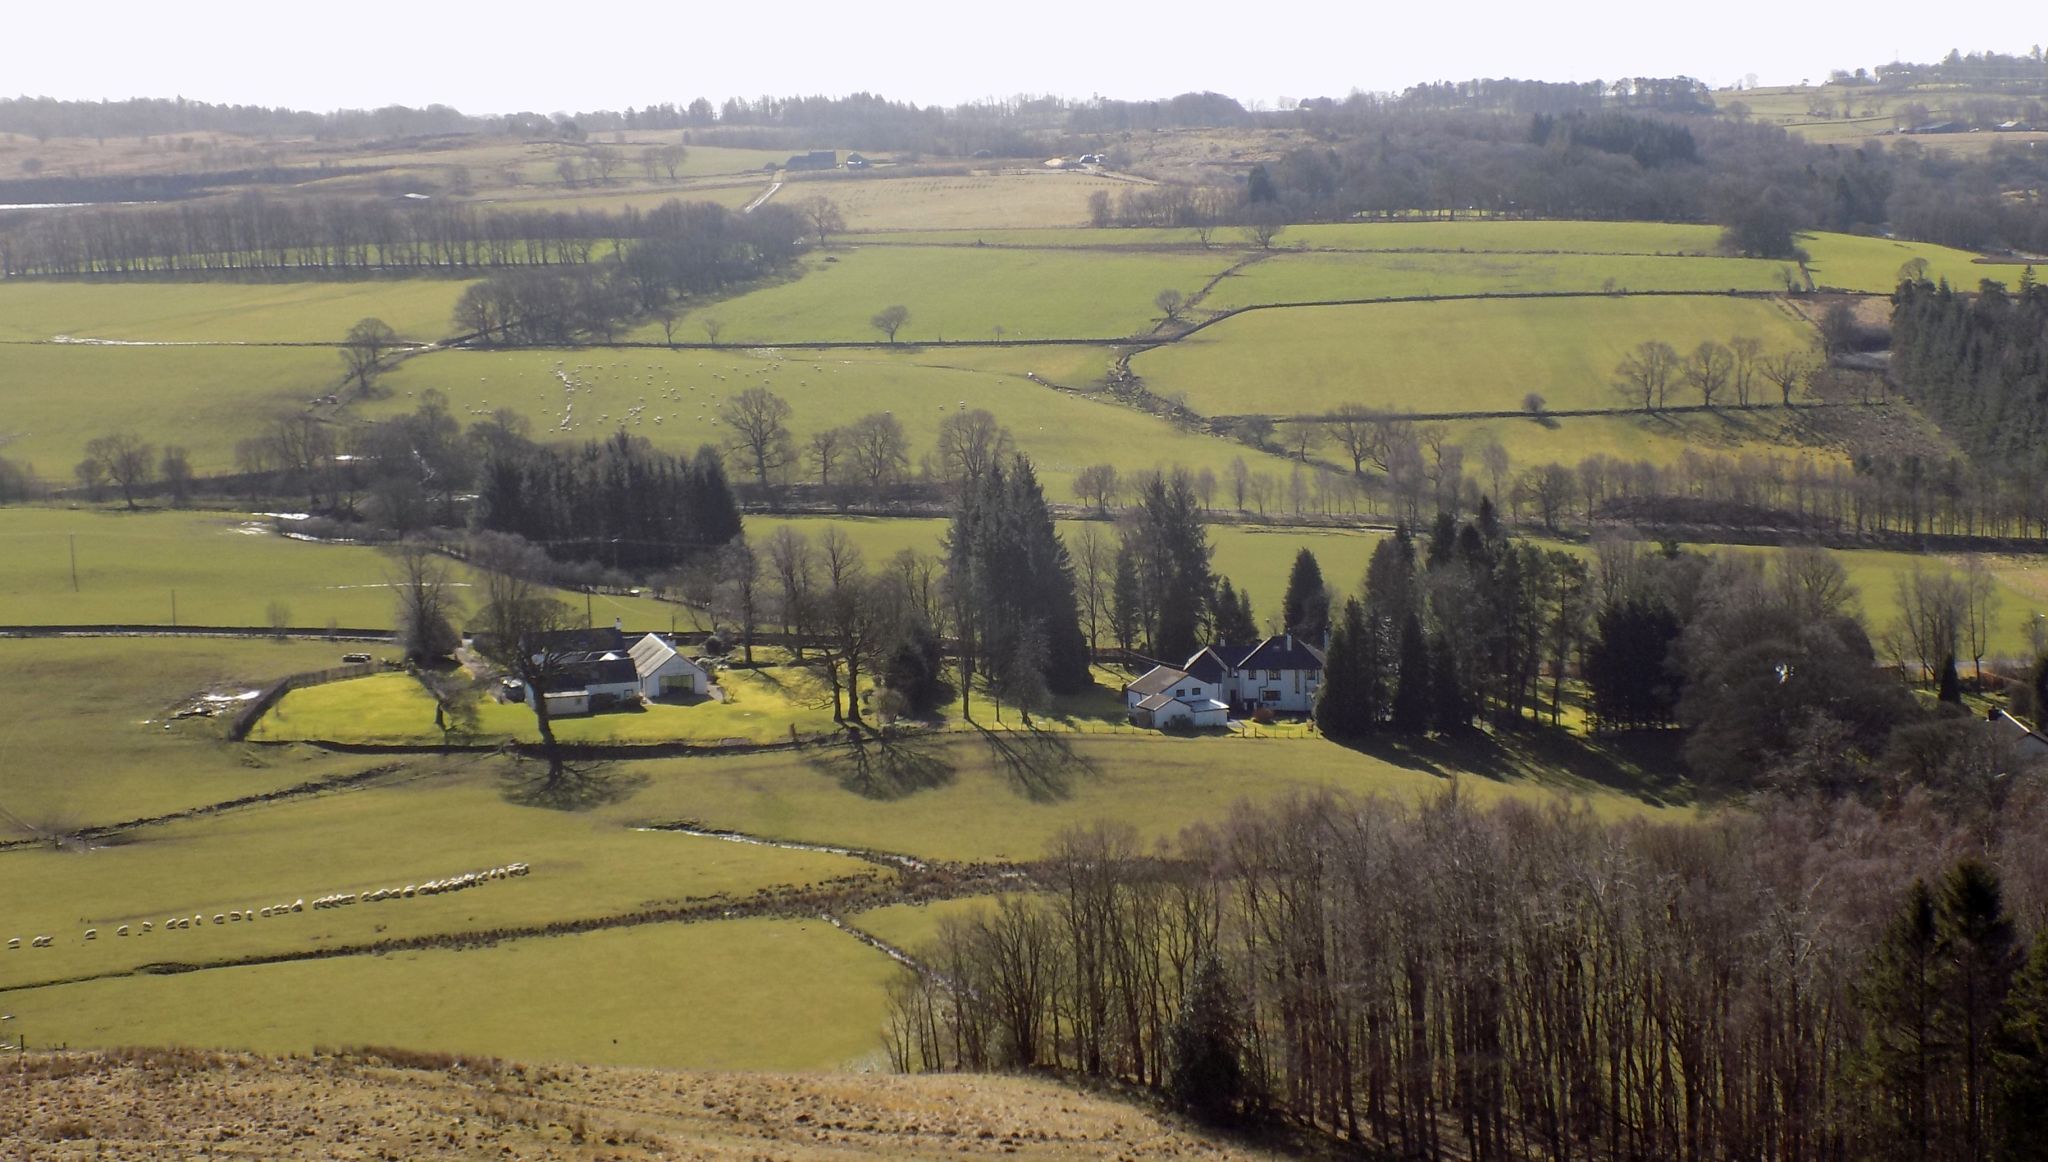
column 1290, row 642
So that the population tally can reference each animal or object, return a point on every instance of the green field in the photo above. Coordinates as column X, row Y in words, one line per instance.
column 683, row 391
column 1323, row 276
column 103, row 744
column 1441, row 357
column 957, row 294
column 226, row 569
column 982, row 201
column 220, row 312
column 1855, row 262
column 203, row 398
column 1469, row 235
column 759, row 706
column 733, row 994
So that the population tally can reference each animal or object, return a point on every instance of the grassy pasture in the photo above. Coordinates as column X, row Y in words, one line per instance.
column 761, row 706
column 204, row 398
column 732, row 193
column 734, row 994
column 1490, row 236
column 100, row 746
column 1858, row 263
column 958, row 294
column 225, row 567
column 446, row 817
column 289, row 312
column 981, row 201
column 1440, row 357
column 1323, row 276
column 1062, row 432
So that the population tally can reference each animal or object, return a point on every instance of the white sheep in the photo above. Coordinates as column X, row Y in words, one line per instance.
column 92, row 934
column 299, row 905
column 14, row 942
column 40, row 942
column 121, row 931
column 147, row 926
column 220, row 918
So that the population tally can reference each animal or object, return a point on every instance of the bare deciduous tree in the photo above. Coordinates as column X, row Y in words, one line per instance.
column 123, row 458
column 890, row 320
column 759, row 420
column 427, row 604
column 363, row 350
column 1644, row 375
column 969, row 444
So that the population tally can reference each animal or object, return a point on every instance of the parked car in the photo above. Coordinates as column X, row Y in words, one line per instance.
column 354, row 659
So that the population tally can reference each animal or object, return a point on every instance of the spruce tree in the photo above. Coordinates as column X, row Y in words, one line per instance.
column 1230, row 617
column 1127, row 601
column 1205, row 1069
column 2022, row 1061
column 1983, row 955
column 1904, row 1052
column 1306, row 610
column 1413, row 689
column 1345, row 705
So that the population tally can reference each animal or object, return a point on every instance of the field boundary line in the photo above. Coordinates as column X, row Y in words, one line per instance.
column 853, row 894
column 349, row 782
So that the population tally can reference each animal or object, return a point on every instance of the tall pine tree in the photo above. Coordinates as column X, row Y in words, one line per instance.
column 1306, row 610
column 1350, row 702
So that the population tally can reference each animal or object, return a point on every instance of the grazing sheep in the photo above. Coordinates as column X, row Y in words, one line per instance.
column 299, row 905
column 265, row 913
column 40, row 942
column 92, row 934
column 234, row 916
column 147, row 925
column 220, row 918
column 121, row 931
column 14, row 942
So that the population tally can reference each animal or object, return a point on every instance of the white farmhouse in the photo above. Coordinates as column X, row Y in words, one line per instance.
column 1281, row 674
column 1166, row 697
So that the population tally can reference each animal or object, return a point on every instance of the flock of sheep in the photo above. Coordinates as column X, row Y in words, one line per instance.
column 333, row 900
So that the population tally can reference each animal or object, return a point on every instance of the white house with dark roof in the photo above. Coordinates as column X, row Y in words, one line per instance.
column 1281, row 674
column 1165, row 697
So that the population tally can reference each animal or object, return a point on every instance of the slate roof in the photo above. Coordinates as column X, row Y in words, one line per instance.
column 593, row 668
column 1212, row 663
column 1157, row 680
column 1283, row 653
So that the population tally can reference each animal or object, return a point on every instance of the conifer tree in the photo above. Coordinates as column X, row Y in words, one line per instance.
column 1983, row 955
column 1413, row 691
column 1904, row 1051
column 1306, row 611
column 2023, row 1061
column 1349, row 703
column 1205, row 1072
column 1231, row 618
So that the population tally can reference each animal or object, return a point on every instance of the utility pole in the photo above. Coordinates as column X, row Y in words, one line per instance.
column 174, row 609
column 74, row 562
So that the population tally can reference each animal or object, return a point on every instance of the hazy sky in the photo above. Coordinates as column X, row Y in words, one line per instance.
column 505, row 56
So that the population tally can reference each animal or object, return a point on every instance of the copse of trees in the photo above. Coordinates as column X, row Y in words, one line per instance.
column 1447, row 981
column 618, row 502
column 1013, row 589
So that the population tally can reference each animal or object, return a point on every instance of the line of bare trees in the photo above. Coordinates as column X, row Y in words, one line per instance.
column 256, row 232
column 1524, row 982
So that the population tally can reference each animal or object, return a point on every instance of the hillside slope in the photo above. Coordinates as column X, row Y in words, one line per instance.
column 364, row 1104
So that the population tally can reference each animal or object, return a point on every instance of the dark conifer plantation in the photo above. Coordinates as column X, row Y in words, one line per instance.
column 619, row 503
column 1004, row 550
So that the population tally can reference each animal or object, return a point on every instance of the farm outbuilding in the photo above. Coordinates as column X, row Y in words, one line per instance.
column 664, row 673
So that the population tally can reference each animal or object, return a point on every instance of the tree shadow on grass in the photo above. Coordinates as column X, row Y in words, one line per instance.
column 1040, row 764
column 887, row 765
column 1642, row 765
column 582, row 786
